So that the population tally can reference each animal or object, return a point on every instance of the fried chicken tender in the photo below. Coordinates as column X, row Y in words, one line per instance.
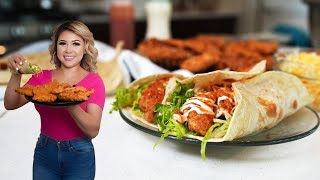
column 75, row 89
column 263, row 47
column 174, row 42
column 45, row 88
column 163, row 54
column 60, row 88
column 26, row 90
column 151, row 96
column 44, row 97
column 75, row 94
column 216, row 41
column 50, row 92
column 40, row 89
column 200, row 123
column 189, row 53
column 200, row 63
column 243, row 55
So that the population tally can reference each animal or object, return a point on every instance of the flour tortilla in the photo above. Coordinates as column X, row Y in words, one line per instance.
column 263, row 99
column 263, row 102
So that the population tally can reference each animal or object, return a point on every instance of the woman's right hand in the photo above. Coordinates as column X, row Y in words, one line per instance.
column 15, row 62
column 12, row 99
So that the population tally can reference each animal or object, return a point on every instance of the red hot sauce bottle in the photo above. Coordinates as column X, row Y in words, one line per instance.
column 122, row 23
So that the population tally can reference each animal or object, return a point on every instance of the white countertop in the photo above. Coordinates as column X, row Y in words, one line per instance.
column 123, row 152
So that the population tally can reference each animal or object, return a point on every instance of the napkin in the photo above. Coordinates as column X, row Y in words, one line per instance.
column 139, row 66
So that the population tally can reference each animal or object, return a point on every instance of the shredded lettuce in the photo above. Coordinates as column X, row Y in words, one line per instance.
column 168, row 126
column 222, row 130
column 219, row 130
column 164, row 113
column 123, row 98
column 128, row 97
column 205, row 140
column 136, row 95
column 181, row 94
column 34, row 68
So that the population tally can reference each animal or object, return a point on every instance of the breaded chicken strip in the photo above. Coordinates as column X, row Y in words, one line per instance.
column 60, row 88
column 200, row 123
column 44, row 97
column 151, row 96
column 75, row 94
column 26, row 90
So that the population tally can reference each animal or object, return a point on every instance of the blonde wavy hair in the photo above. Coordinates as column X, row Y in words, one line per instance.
column 89, row 59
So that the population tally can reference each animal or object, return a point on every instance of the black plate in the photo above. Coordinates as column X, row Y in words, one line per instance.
column 55, row 103
column 297, row 126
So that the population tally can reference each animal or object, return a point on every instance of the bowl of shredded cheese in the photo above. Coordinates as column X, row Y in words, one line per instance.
column 305, row 64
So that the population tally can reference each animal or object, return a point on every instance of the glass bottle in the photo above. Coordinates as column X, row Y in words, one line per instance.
column 158, row 14
column 122, row 25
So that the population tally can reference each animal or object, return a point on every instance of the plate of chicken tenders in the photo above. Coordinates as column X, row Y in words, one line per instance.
column 55, row 94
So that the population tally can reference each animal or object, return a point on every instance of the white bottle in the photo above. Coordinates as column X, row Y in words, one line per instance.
column 158, row 14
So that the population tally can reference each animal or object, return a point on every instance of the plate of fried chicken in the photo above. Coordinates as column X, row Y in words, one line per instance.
column 55, row 93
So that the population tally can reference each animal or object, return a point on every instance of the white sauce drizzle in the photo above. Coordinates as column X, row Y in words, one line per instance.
column 195, row 104
column 223, row 98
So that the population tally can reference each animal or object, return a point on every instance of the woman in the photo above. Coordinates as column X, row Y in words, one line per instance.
column 64, row 149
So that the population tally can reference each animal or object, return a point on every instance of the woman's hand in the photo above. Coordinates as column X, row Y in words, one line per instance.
column 15, row 62
column 88, row 122
column 12, row 99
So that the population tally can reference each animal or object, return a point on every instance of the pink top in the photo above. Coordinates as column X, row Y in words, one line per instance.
column 56, row 122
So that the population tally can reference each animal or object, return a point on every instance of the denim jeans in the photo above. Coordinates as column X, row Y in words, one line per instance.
column 68, row 160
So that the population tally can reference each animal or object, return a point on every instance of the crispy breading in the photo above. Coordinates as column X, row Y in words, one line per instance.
column 200, row 63
column 60, row 88
column 151, row 96
column 186, row 53
column 163, row 54
column 54, row 90
column 26, row 90
column 75, row 89
column 44, row 97
column 45, row 88
column 200, row 123
column 75, row 94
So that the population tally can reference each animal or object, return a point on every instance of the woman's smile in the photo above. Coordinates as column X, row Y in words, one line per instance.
column 68, row 58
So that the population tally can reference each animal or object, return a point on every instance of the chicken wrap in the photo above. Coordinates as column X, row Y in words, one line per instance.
column 229, row 105
column 28, row 68
column 225, row 105
column 142, row 95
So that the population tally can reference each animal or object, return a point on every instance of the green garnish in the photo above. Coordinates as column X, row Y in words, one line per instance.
column 164, row 113
column 123, row 98
column 33, row 68
column 127, row 97
column 168, row 126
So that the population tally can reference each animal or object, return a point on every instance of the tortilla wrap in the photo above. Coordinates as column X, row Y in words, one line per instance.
column 263, row 99
column 152, row 78
column 29, row 68
column 263, row 102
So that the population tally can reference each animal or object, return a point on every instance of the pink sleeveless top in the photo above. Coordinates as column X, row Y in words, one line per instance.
column 56, row 122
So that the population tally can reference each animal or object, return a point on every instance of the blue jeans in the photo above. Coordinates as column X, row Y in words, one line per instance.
column 68, row 160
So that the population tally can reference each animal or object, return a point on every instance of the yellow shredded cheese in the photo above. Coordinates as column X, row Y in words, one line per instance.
column 304, row 64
